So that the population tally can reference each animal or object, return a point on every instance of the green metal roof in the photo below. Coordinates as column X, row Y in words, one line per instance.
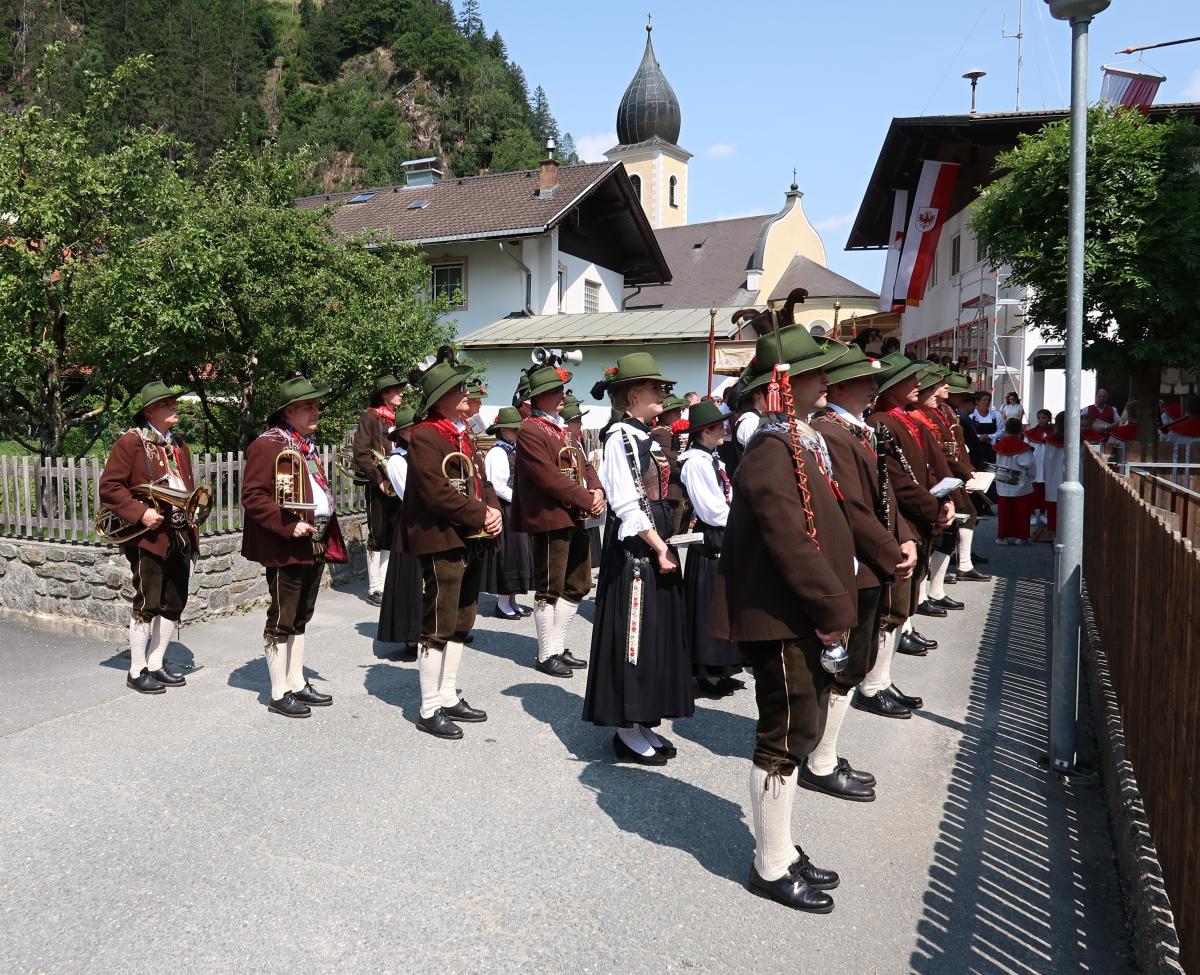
column 643, row 325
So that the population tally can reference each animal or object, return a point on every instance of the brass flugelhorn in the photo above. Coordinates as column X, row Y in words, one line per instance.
column 291, row 482
column 195, row 507
column 462, row 483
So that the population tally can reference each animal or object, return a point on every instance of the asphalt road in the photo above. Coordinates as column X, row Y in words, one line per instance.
column 196, row 832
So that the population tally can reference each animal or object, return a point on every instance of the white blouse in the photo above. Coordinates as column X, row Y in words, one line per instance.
column 746, row 425
column 703, row 486
column 397, row 468
column 624, row 496
column 497, row 469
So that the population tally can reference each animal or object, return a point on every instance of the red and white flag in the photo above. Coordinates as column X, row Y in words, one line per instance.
column 895, row 245
column 930, row 208
column 1133, row 89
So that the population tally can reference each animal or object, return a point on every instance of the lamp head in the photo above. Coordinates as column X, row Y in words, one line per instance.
column 1076, row 9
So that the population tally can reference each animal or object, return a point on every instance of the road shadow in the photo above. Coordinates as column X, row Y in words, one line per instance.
column 668, row 812
column 253, row 676
column 179, row 657
column 396, row 685
column 1022, row 879
column 721, row 732
column 554, row 705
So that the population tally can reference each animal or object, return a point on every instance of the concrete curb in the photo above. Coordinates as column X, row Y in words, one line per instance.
column 1154, row 938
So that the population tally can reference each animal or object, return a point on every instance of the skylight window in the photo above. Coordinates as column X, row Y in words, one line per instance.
column 418, row 204
column 361, row 197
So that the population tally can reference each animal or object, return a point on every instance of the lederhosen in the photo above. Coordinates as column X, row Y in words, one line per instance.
column 383, row 509
column 562, row 557
column 507, row 569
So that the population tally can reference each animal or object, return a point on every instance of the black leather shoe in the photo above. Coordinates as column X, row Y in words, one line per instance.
column 857, row 774
column 791, row 891
column 145, row 683
column 974, row 575
column 627, row 754
column 462, row 711
column 882, row 704
column 909, row 701
column 439, row 726
column 311, row 696
column 951, row 578
column 914, row 648
column 947, row 603
column 554, row 667
column 410, row 652
column 667, row 749
column 927, row 643
column 813, row 875
column 930, row 608
column 168, row 678
column 468, row 639
column 289, row 707
column 375, row 598
column 501, row 615
column 837, row 784
column 572, row 661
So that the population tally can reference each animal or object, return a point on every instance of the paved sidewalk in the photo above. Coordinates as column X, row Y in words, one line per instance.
column 195, row 832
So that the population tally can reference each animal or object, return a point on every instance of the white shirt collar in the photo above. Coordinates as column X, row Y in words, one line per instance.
column 166, row 436
column 847, row 414
column 552, row 417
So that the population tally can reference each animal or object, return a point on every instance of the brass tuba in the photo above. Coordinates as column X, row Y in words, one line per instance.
column 291, row 482
column 193, row 507
column 462, row 483
column 572, row 463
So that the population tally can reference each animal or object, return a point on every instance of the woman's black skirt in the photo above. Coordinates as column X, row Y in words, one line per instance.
column 711, row 656
column 402, row 609
column 508, row 569
column 659, row 685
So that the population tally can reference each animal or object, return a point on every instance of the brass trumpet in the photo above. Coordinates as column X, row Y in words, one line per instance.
column 462, row 484
column 291, row 482
column 193, row 507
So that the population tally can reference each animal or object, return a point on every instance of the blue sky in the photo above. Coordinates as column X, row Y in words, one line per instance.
column 766, row 85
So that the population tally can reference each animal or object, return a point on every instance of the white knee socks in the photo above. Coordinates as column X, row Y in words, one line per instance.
column 276, row 655
column 771, row 799
column 881, row 674
column 429, row 673
column 939, row 562
column 448, row 682
column 161, row 634
column 636, row 739
column 823, row 759
column 376, row 570
column 295, row 663
column 507, row 604
column 543, row 623
column 564, row 612
column 139, row 640
column 965, row 536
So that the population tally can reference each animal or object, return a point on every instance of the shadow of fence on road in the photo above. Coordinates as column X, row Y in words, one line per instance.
column 1018, row 883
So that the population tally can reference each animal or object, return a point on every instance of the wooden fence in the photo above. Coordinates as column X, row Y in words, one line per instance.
column 74, row 488
column 1143, row 582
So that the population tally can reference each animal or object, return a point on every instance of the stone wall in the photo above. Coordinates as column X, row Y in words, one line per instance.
column 91, row 583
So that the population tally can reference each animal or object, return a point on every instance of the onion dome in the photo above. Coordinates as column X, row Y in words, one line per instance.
column 649, row 107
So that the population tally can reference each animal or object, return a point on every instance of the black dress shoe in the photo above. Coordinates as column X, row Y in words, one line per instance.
column 882, row 704
column 572, row 661
column 947, row 603
column 168, row 678
column 914, row 648
column 501, row 615
column 857, row 774
column 951, row 578
column 813, row 875
column 375, row 598
column 930, row 608
column 974, row 575
column 927, row 643
column 289, row 707
column 462, row 711
column 554, row 667
column 468, row 639
column 791, row 891
column 410, row 652
column 627, row 754
column 909, row 701
column 145, row 683
column 311, row 696
column 667, row 749
column 440, row 726
column 837, row 784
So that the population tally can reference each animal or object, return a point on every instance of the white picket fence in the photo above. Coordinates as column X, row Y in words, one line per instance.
column 74, row 492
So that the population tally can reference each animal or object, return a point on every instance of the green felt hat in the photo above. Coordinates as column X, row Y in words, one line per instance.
column 573, row 409
column 636, row 367
column 478, row 391
column 801, row 352
column 899, row 367
column 509, row 418
column 406, row 416
column 523, row 388
column 545, row 379
column 296, row 390
column 154, row 392
column 674, row 402
column 960, row 383
column 931, row 377
column 438, row 381
column 706, row 413
column 387, row 381
column 854, row 365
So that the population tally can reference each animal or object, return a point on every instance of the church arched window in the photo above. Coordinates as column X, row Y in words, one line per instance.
column 674, row 186
column 636, row 180
column 819, row 328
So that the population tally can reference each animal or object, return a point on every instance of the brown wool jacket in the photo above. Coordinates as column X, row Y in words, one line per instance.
column 435, row 516
column 774, row 583
column 856, row 470
column 267, row 530
column 543, row 499
column 371, row 434
column 131, row 463
column 913, row 500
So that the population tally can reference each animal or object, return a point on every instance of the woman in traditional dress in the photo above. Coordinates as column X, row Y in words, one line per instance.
column 509, row 568
column 401, row 610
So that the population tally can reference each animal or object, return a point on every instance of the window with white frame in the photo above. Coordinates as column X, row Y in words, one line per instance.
column 591, row 297
column 450, row 281
column 819, row 328
column 636, row 180
column 562, row 287
column 955, row 254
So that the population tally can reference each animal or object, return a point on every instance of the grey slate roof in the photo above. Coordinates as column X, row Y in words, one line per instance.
column 820, row 282
column 649, row 107
column 682, row 325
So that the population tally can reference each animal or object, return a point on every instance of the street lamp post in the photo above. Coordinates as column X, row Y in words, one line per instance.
column 1068, row 568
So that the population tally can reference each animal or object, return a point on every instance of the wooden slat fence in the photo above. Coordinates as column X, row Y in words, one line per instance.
column 74, row 492
column 1143, row 582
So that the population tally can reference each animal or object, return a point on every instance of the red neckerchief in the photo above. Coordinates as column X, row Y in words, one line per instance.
column 559, row 432
column 1010, row 446
column 385, row 413
column 1188, row 426
column 901, row 414
column 448, row 430
column 1038, row 435
column 307, row 448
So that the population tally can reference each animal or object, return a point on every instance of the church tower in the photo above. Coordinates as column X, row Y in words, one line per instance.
column 647, row 127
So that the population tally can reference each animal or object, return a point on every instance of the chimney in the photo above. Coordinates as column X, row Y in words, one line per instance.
column 421, row 172
column 548, row 172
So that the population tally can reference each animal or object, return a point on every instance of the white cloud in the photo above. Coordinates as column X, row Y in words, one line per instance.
column 720, row 150
column 836, row 222
column 591, row 147
column 1191, row 91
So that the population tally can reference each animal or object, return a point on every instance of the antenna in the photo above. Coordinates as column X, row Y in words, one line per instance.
column 1019, row 37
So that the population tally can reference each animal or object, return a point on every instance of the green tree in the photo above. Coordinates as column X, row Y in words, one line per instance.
column 1142, row 250
column 542, row 123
